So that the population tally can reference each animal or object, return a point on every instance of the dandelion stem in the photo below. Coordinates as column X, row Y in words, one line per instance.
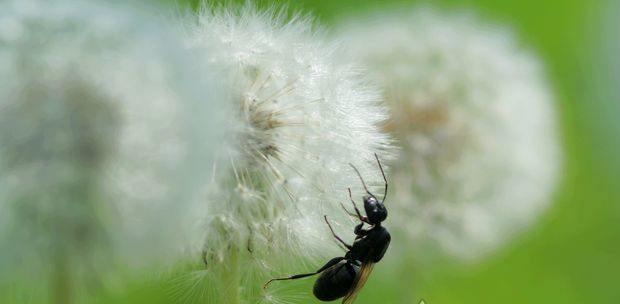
column 231, row 278
column 60, row 280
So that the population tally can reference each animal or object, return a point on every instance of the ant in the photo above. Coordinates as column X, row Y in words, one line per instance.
column 345, row 276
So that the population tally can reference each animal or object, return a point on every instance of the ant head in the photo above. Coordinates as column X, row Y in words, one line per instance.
column 375, row 210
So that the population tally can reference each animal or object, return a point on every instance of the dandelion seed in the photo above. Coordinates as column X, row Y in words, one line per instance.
column 302, row 117
column 103, row 141
column 474, row 114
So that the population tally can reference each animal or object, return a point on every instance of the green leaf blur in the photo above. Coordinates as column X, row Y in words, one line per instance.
column 572, row 255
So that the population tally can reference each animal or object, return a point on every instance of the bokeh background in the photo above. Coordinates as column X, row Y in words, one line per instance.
column 572, row 255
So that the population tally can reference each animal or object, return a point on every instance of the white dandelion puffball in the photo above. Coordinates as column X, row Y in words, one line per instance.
column 106, row 129
column 302, row 117
column 475, row 116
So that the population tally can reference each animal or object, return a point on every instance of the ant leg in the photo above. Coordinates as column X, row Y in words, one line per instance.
column 359, row 214
column 359, row 232
column 331, row 263
column 334, row 234
column 342, row 247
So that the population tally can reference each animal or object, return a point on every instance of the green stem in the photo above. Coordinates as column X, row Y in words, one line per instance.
column 231, row 278
column 60, row 281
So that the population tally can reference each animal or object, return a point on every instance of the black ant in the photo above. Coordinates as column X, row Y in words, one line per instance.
column 345, row 276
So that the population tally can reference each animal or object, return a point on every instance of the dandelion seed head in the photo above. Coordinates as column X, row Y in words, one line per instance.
column 302, row 117
column 474, row 114
column 100, row 146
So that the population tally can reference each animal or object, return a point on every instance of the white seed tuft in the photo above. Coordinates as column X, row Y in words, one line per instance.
column 302, row 118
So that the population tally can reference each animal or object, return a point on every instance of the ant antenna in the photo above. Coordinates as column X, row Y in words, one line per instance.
column 384, row 179
column 382, row 174
column 361, row 179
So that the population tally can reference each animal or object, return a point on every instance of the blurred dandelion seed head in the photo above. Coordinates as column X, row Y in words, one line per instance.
column 100, row 151
column 474, row 114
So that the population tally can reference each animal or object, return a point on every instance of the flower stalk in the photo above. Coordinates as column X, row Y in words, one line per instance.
column 231, row 278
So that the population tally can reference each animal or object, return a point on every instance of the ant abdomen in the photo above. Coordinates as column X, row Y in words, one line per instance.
column 336, row 281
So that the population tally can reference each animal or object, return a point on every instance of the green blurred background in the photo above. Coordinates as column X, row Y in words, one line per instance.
column 572, row 255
